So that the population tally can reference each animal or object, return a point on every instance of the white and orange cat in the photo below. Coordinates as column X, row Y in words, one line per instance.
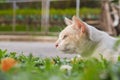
column 79, row 37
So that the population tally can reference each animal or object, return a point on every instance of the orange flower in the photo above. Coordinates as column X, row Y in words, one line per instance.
column 7, row 63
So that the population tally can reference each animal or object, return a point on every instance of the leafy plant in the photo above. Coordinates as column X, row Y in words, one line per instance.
column 37, row 68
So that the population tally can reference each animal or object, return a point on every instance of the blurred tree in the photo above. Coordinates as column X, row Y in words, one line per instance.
column 110, row 17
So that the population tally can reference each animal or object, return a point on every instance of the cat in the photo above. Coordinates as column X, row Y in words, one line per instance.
column 79, row 37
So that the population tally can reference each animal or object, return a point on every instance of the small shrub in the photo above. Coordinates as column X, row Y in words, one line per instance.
column 36, row 68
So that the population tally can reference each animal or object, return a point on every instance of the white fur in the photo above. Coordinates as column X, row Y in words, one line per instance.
column 105, row 44
column 75, row 43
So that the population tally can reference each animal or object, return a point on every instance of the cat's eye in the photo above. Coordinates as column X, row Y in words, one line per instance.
column 65, row 36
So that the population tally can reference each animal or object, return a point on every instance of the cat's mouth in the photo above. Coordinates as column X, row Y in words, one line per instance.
column 68, row 51
column 65, row 50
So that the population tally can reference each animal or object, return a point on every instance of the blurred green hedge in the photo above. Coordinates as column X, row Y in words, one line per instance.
column 67, row 12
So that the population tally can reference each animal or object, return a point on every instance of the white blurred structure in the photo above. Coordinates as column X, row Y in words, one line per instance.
column 77, row 7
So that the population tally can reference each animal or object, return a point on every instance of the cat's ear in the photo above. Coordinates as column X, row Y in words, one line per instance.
column 78, row 24
column 67, row 21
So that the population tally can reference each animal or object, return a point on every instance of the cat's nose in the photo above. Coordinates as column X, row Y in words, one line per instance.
column 56, row 45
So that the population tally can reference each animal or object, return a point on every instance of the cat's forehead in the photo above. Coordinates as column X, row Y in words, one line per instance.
column 68, row 30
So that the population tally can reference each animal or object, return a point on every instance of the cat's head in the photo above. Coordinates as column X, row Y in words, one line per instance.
column 73, row 36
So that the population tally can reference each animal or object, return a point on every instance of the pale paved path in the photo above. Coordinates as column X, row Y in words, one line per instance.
column 41, row 49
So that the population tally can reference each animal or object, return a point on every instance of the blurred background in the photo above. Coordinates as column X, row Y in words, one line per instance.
column 36, row 21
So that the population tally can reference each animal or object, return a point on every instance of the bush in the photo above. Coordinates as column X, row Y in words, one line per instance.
column 32, row 18
column 31, row 28
column 36, row 68
column 60, row 12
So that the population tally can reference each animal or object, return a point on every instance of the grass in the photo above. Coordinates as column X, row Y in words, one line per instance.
column 36, row 68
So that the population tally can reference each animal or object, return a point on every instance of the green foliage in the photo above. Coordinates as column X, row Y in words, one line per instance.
column 19, row 28
column 115, row 1
column 68, row 12
column 86, row 11
column 56, row 18
column 2, row 53
column 36, row 68
column 116, row 45
column 32, row 28
column 56, row 28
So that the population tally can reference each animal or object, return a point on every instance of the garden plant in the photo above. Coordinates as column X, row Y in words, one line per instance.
column 15, row 66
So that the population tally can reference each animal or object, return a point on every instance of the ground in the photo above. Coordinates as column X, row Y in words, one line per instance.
column 42, row 49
